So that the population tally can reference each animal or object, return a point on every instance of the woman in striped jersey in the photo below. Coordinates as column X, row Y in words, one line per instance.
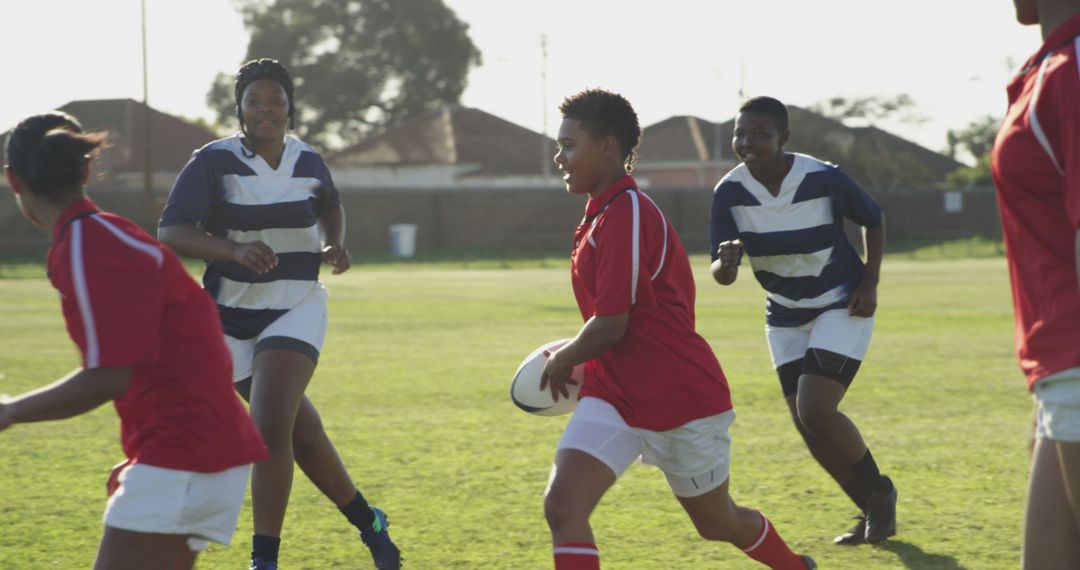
column 261, row 209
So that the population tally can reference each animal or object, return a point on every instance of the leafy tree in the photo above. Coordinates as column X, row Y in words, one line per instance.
column 869, row 109
column 359, row 65
column 977, row 140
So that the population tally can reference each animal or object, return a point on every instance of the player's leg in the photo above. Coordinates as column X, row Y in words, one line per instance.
column 130, row 550
column 834, row 464
column 596, row 447
column 1052, row 521
column 838, row 343
column 280, row 377
column 703, row 447
column 787, row 347
column 717, row 517
column 1051, row 538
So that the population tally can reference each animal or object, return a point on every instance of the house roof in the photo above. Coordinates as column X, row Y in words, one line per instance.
column 453, row 134
column 172, row 139
column 687, row 139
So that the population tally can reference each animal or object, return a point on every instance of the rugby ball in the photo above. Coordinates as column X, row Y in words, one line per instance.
column 525, row 389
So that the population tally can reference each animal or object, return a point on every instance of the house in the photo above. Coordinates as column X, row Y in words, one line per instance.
column 451, row 146
column 121, row 164
column 686, row 151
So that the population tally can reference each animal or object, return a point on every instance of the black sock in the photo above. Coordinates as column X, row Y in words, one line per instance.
column 359, row 513
column 857, row 492
column 265, row 547
column 866, row 471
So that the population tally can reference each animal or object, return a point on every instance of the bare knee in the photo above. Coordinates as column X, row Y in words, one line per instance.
column 815, row 419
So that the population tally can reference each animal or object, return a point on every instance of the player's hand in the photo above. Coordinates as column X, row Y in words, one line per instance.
column 256, row 256
column 113, row 482
column 863, row 301
column 729, row 252
column 338, row 257
column 556, row 376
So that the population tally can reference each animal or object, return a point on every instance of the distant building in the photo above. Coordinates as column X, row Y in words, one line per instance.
column 121, row 163
column 686, row 151
column 449, row 147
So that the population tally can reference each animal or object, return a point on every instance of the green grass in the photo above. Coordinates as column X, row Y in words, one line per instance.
column 413, row 388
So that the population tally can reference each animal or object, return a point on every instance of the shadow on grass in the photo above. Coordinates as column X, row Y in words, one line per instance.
column 911, row 556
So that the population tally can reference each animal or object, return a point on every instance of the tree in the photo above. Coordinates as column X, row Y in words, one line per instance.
column 358, row 65
column 977, row 140
column 869, row 109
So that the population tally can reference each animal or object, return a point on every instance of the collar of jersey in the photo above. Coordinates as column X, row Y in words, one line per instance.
column 594, row 205
column 76, row 208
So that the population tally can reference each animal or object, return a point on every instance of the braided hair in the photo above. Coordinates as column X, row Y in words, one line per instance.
column 47, row 152
column 604, row 113
column 264, row 68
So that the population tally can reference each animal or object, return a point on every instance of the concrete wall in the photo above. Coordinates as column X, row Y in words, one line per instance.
column 524, row 219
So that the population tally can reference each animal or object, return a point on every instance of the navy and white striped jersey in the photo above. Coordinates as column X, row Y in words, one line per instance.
column 795, row 240
column 227, row 193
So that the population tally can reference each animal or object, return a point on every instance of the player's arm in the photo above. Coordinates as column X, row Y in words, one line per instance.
column 77, row 393
column 334, row 252
column 725, row 269
column 599, row 335
column 863, row 301
column 190, row 241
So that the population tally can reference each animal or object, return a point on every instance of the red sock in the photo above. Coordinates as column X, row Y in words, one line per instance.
column 769, row 549
column 576, row 556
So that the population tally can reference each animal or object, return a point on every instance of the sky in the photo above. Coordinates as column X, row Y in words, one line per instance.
column 669, row 57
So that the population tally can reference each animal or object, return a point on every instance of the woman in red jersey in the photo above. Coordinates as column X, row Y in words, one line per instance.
column 653, row 387
column 1036, row 167
column 151, row 343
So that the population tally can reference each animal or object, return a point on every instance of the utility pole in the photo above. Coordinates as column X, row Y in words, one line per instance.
column 545, row 151
column 148, row 170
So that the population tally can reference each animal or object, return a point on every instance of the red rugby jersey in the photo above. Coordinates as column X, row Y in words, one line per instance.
column 129, row 303
column 1036, row 167
column 627, row 257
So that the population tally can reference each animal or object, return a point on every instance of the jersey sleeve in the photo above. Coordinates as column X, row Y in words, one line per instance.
column 190, row 198
column 311, row 165
column 622, row 276
column 853, row 203
column 113, row 297
column 721, row 223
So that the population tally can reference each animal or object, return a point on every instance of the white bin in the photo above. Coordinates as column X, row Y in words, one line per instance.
column 403, row 240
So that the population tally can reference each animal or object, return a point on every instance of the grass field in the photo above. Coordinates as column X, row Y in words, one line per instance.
column 413, row 388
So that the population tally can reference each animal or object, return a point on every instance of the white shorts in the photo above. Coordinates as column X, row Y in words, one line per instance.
column 695, row 457
column 835, row 331
column 156, row 500
column 305, row 323
column 1058, row 400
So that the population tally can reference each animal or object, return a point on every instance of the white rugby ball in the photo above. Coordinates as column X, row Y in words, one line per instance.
column 525, row 389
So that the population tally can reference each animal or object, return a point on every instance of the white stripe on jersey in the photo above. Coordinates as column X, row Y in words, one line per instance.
column 82, row 296
column 635, row 247
column 576, row 550
column 281, row 240
column 663, row 251
column 788, row 217
column 142, row 246
column 1036, row 128
column 824, row 300
column 277, row 295
column 794, row 265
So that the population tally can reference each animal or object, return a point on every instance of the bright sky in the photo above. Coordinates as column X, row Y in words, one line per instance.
column 674, row 57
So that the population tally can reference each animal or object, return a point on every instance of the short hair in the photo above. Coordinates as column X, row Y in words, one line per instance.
column 769, row 107
column 47, row 152
column 264, row 68
column 604, row 113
